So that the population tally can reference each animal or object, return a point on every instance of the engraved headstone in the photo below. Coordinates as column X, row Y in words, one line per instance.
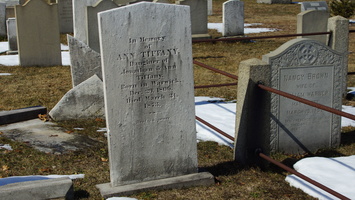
column 314, row 5
column 65, row 12
column 149, row 97
column 79, row 18
column 85, row 62
column 2, row 19
column 313, row 21
column 38, row 34
column 311, row 70
column 11, row 34
column 92, row 24
column 233, row 18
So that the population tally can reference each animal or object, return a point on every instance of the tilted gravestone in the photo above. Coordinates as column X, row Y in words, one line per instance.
column 149, row 98
column 198, row 12
column 11, row 34
column 79, row 18
column 233, row 18
column 65, row 12
column 92, row 24
column 304, row 68
column 2, row 19
column 313, row 21
column 85, row 62
column 314, row 5
column 38, row 34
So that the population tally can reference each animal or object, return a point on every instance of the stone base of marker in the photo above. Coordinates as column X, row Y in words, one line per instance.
column 201, row 36
column 191, row 180
column 11, row 52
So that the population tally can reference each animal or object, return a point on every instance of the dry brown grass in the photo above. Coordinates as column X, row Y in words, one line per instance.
column 29, row 86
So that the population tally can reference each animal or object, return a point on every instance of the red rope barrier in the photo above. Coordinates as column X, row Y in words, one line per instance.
column 215, row 70
column 215, row 128
column 321, row 186
column 217, row 85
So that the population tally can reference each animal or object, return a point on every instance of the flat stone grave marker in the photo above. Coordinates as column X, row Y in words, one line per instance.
column 313, row 21
column 11, row 34
column 149, row 97
column 314, row 5
column 233, row 18
column 38, row 34
column 311, row 70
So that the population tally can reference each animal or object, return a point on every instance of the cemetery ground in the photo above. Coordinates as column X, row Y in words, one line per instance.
column 30, row 86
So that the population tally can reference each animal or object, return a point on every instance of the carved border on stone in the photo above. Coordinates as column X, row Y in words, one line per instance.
column 303, row 53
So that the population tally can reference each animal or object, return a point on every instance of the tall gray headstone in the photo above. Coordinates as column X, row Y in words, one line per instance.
column 209, row 7
column 148, row 88
column 79, row 18
column 311, row 70
column 85, row 62
column 38, row 34
column 65, row 12
column 198, row 12
column 314, row 5
column 233, row 18
column 92, row 24
column 2, row 19
column 313, row 21
column 11, row 34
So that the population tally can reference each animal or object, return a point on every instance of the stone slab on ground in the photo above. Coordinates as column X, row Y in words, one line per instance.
column 196, row 179
column 13, row 116
column 45, row 136
column 56, row 188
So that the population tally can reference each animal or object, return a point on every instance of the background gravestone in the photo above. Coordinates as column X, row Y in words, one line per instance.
column 92, row 24
column 233, row 18
column 2, row 19
column 149, row 96
column 38, row 34
column 65, row 11
column 313, row 21
column 79, row 18
column 311, row 70
column 314, row 5
column 198, row 12
column 11, row 34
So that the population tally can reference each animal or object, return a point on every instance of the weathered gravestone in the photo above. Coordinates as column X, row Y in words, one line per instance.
column 79, row 18
column 65, row 12
column 11, row 34
column 302, row 67
column 233, row 18
column 198, row 13
column 209, row 7
column 314, row 5
column 85, row 62
column 38, row 34
column 313, row 21
column 2, row 19
column 149, row 98
column 92, row 24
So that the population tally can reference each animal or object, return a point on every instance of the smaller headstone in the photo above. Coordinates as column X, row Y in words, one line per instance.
column 85, row 62
column 209, row 7
column 84, row 101
column 92, row 23
column 233, row 18
column 2, row 19
column 198, row 13
column 38, row 34
column 79, row 18
column 314, row 5
column 11, row 34
column 313, row 21
column 65, row 12
column 275, row 1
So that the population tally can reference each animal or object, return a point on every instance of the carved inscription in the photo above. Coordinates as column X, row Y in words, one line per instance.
column 150, row 77
column 297, row 119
